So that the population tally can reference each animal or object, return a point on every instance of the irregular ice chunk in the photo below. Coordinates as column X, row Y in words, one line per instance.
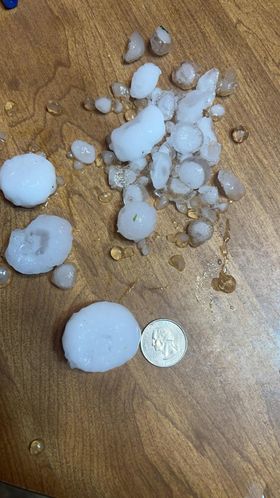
column 64, row 276
column 120, row 178
column 136, row 47
column 134, row 193
column 100, row 337
column 136, row 220
column 209, row 195
column 167, row 103
column 27, row 180
column 136, row 138
column 83, row 151
column 160, row 170
column 161, row 41
column 190, row 108
column 44, row 243
column 231, row 185
column 208, row 81
column 178, row 187
column 191, row 174
column 144, row 80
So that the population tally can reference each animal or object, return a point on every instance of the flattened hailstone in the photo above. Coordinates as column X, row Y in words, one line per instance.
column 160, row 170
column 135, row 139
column 136, row 47
column 208, row 81
column 231, row 185
column 103, row 104
column 144, row 80
column 46, row 242
column 83, row 151
column 136, row 220
column 192, row 174
column 186, row 75
column 209, row 195
column 190, row 108
column 100, row 337
column 27, row 180
column 167, row 103
column 200, row 231
column 161, row 41
column 186, row 138
column 64, row 276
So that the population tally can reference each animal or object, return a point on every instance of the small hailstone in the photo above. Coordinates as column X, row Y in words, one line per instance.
column 182, row 207
column 186, row 138
column 186, row 75
column 190, row 108
column 209, row 195
column 133, row 193
column 192, row 174
column 119, row 89
column 178, row 187
column 117, row 106
column 27, row 180
column 46, row 242
column 208, row 81
column 160, row 169
column 161, row 41
column 136, row 48
column 64, row 276
column 231, row 185
column 167, row 103
column 103, row 104
column 120, row 178
column 143, row 247
column 216, row 112
column 211, row 152
column 100, row 337
column 83, row 151
column 209, row 214
column 136, row 220
column 227, row 84
column 200, row 231
column 144, row 80
column 138, row 164
column 136, row 138
column 5, row 276
column 108, row 157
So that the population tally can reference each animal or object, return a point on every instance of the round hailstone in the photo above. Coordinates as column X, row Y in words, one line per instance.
column 136, row 48
column 100, row 337
column 108, row 157
column 192, row 174
column 27, row 180
column 64, row 276
column 83, row 152
column 209, row 195
column 103, row 104
column 136, row 220
column 119, row 89
column 200, row 231
column 161, row 41
column 216, row 112
column 144, row 80
column 46, row 242
column 135, row 139
column 231, row 185
column 186, row 138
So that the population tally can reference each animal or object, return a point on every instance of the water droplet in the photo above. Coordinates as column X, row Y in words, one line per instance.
column 99, row 162
column 10, row 107
column 225, row 283
column 116, row 253
column 239, row 134
column 54, row 108
column 88, row 104
column 36, row 446
column 5, row 276
column 177, row 261
column 128, row 252
column 171, row 237
column 105, row 197
column 181, row 239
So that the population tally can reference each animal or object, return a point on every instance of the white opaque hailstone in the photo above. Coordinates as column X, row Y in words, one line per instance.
column 138, row 165
column 136, row 47
column 64, row 276
column 191, row 174
column 133, row 193
column 136, row 220
column 27, row 180
column 160, row 169
column 209, row 194
column 186, row 138
column 178, row 187
column 200, row 231
column 208, row 81
column 144, row 80
column 100, row 337
column 136, row 138
column 155, row 95
column 190, row 108
column 83, row 151
column 44, row 243
column 211, row 152
column 206, row 127
column 217, row 111
column 167, row 104
column 120, row 178
column 231, row 185
column 103, row 104
column 108, row 157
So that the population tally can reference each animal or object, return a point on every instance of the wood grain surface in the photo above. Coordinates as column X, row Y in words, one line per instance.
column 210, row 426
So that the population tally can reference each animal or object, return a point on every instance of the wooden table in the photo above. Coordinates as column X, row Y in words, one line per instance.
column 210, row 426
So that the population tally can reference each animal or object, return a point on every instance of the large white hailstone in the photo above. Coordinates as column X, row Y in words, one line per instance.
column 160, row 169
column 27, row 180
column 103, row 104
column 144, row 80
column 200, row 231
column 100, row 337
column 190, row 108
column 167, row 104
column 64, row 276
column 186, row 138
column 83, row 151
column 136, row 138
column 209, row 194
column 136, row 220
column 208, row 81
column 231, row 185
column 136, row 47
column 192, row 174
column 44, row 243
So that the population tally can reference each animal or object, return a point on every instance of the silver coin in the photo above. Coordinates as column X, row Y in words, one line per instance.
column 163, row 343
